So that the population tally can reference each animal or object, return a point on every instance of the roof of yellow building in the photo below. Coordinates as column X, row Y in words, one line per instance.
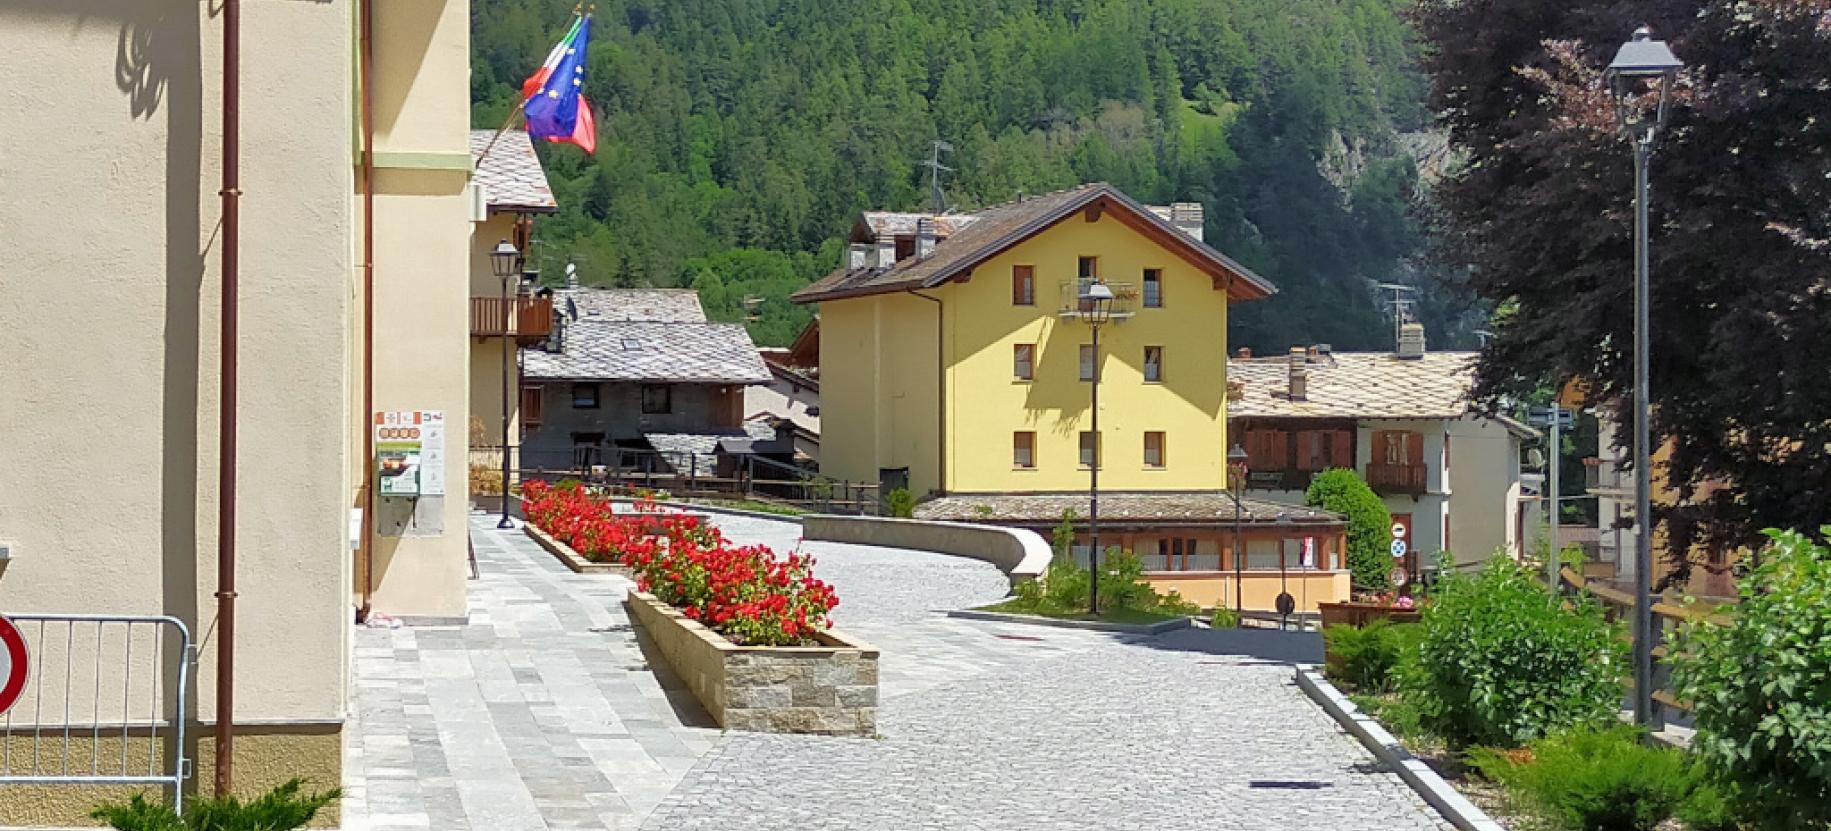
column 1156, row 507
column 1000, row 227
column 511, row 176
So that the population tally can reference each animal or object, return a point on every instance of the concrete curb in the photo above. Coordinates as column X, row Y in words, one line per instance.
column 570, row 558
column 1447, row 800
column 1090, row 625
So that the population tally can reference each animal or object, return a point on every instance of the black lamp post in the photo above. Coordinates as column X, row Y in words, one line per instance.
column 505, row 261
column 1643, row 68
column 1096, row 308
column 1236, row 464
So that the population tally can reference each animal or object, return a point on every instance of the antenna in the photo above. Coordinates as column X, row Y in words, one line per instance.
column 937, row 200
column 1401, row 305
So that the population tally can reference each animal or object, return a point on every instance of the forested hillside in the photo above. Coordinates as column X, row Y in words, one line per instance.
column 738, row 138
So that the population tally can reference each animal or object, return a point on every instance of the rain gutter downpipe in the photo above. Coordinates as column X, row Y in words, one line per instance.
column 366, row 547
column 225, row 457
column 940, row 394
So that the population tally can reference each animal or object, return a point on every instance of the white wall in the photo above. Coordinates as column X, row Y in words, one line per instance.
column 1485, row 478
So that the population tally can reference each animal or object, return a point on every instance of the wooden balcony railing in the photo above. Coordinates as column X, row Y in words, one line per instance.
column 1388, row 478
column 529, row 319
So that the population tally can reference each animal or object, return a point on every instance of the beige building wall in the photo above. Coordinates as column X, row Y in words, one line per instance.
column 110, row 216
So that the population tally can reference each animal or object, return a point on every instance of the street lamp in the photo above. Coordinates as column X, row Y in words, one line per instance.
column 505, row 261
column 1096, row 308
column 1642, row 62
column 1236, row 464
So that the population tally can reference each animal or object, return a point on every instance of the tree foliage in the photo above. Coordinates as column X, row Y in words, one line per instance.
column 1540, row 218
column 1369, row 523
column 738, row 138
column 1761, row 688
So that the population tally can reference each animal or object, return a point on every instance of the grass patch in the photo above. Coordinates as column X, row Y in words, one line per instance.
column 749, row 505
column 1126, row 616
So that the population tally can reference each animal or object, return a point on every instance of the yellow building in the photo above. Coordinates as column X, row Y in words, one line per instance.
column 109, row 495
column 955, row 361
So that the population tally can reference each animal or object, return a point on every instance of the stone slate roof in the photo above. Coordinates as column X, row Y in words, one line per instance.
column 1120, row 507
column 700, row 450
column 891, row 223
column 1357, row 385
column 661, row 305
column 1000, row 227
column 511, row 176
column 649, row 350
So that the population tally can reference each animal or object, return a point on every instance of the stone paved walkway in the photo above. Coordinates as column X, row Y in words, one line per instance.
column 539, row 715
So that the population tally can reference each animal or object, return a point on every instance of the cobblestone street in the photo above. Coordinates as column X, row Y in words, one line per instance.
column 539, row 715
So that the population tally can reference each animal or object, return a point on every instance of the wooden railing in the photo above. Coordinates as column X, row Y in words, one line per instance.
column 529, row 319
column 1667, row 617
column 1388, row 478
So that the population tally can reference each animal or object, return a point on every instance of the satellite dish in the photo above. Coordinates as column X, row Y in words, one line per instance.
column 571, row 269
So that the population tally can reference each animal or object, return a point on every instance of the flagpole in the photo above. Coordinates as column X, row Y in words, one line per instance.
column 521, row 108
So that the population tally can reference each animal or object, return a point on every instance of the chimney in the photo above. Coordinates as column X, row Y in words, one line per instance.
column 1411, row 341
column 857, row 256
column 1300, row 374
column 925, row 237
column 886, row 253
column 1244, row 353
column 1187, row 217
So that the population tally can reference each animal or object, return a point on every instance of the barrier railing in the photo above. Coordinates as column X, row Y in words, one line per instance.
column 1667, row 617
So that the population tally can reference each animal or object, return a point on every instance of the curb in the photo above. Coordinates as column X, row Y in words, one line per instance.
column 1090, row 625
column 571, row 559
column 1447, row 800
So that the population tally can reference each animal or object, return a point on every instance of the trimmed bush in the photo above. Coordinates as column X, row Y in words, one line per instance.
column 901, row 503
column 1592, row 779
column 1761, row 688
column 1366, row 656
column 282, row 809
column 1341, row 491
column 1224, row 618
column 1502, row 662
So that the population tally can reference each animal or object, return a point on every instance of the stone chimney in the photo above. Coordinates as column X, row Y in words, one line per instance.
column 1411, row 341
column 1300, row 374
column 858, row 255
column 1187, row 217
column 886, row 253
column 925, row 237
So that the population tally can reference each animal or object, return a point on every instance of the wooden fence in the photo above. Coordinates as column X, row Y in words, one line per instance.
column 1667, row 617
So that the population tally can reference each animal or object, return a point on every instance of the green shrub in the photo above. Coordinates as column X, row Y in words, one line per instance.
column 1502, row 662
column 1122, row 583
column 1369, row 523
column 1708, row 807
column 1761, row 688
column 1174, row 604
column 901, row 503
column 281, row 809
column 1224, row 618
column 1592, row 779
column 1365, row 657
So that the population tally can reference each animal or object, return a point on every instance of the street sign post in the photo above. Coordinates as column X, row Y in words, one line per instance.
column 14, row 664
column 1555, row 419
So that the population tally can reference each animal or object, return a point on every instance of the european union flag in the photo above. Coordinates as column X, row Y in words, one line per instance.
column 554, row 105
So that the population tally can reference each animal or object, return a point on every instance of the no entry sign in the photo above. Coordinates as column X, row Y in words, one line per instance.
column 13, row 664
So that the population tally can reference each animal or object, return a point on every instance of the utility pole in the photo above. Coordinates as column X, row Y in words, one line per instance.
column 1551, row 494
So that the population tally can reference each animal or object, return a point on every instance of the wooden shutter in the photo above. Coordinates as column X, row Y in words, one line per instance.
column 1341, row 449
column 1415, row 446
column 530, row 406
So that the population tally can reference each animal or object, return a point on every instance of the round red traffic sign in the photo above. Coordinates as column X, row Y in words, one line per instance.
column 13, row 664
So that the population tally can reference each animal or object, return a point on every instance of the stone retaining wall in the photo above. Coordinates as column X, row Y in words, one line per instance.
column 1020, row 553
column 827, row 689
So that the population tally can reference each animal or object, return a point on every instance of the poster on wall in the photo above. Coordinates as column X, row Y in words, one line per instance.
column 410, row 452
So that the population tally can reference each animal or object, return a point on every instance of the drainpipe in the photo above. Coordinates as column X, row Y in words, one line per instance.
column 366, row 548
column 940, row 395
column 225, row 476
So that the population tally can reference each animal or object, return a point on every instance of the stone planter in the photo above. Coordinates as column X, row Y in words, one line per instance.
column 572, row 559
column 828, row 689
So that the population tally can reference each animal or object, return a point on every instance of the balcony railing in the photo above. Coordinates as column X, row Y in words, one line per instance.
column 1387, row 478
column 1124, row 305
column 529, row 319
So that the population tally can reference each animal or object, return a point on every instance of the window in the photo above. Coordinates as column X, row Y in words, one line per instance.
column 1023, row 361
column 1023, row 285
column 657, row 399
column 1397, row 447
column 1153, row 364
column 1265, row 554
column 632, row 345
column 1153, row 288
column 1319, row 449
column 1023, row 450
column 530, row 407
column 1090, row 451
column 1088, row 268
column 1087, row 362
column 1267, row 450
column 1153, row 448
column 584, row 396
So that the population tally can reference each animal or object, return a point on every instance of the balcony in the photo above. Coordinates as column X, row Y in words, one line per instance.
column 1278, row 480
column 1124, row 305
column 529, row 319
column 1390, row 478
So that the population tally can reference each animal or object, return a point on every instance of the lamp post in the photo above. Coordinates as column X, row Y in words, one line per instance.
column 1640, row 63
column 1096, row 308
column 1236, row 463
column 505, row 261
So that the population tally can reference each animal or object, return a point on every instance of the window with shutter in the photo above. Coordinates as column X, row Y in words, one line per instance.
column 530, row 406
column 1023, row 285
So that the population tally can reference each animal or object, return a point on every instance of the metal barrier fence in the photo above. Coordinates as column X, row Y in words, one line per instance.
column 102, row 687
column 682, row 474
